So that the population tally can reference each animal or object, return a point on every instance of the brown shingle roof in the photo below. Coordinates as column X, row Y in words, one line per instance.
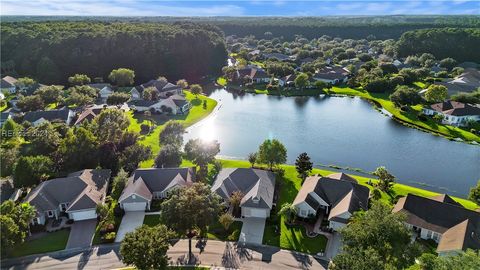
column 455, row 108
column 342, row 176
column 460, row 237
column 433, row 215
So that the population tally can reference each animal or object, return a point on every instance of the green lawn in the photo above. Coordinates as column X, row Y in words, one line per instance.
column 196, row 113
column 217, row 232
column 294, row 237
column 151, row 220
column 407, row 117
column 50, row 242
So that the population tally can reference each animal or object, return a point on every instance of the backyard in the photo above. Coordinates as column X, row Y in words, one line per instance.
column 196, row 113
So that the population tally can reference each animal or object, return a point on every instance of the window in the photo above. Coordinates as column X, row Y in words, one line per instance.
column 429, row 234
column 436, row 236
column 64, row 206
column 303, row 213
column 50, row 213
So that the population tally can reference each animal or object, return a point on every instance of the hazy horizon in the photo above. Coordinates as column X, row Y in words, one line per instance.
column 279, row 8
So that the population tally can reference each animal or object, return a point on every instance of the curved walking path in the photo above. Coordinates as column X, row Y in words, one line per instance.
column 216, row 254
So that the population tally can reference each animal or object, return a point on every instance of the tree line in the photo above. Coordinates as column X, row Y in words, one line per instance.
column 53, row 51
column 460, row 44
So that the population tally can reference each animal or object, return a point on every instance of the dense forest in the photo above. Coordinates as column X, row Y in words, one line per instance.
column 355, row 27
column 52, row 51
column 460, row 44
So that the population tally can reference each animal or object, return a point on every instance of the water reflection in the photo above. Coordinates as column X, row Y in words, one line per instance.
column 340, row 131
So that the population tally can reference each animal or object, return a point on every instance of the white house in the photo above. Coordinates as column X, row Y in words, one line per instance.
column 146, row 185
column 443, row 220
column 174, row 104
column 335, row 198
column 8, row 84
column 332, row 75
column 76, row 195
column 257, row 187
column 454, row 113
column 164, row 89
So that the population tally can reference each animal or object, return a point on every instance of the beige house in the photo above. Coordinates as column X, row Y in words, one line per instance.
column 334, row 198
column 443, row 220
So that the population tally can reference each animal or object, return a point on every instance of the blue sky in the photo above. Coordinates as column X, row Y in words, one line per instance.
column 236, row 8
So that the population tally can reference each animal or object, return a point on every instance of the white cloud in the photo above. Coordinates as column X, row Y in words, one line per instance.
column 113, row 8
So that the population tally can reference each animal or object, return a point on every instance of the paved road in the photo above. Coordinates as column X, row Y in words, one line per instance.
column 81, row 233
column 215, row 253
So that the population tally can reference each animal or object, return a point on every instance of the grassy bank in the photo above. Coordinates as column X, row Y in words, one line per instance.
column 196, row 113
column 294, row 237
column 410, row 117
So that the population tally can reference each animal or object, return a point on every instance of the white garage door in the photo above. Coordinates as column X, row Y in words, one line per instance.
column 136, row 206
column 83, row 215
column 253, row 212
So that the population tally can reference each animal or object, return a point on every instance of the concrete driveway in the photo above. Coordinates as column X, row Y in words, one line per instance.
column 130, row 221
column 81, row 233
column 252, row 230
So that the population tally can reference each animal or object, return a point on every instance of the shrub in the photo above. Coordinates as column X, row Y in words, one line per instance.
column 110, row 237
column 144, row 128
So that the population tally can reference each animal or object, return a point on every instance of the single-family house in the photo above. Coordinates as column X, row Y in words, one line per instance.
column 257, row 187
column 334, row 198
column 454, row 113
column 8, row 84
column 468, row 81
column 332, row 75
column 163, row 88
column 277, row 56
column 105, row 89
column 442, row 219
column 64, row 115
column 146, row 185
column 4, row 116
column 76, row 195
column 287, row 81
column 254, row 74
column 92, row 111
column 175, row 104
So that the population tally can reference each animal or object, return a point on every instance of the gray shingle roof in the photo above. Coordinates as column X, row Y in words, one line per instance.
column 82, row 190
column 51, row 115
column 253, row 183
column 144, row 182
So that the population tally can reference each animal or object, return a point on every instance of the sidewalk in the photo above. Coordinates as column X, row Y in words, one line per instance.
column 216, row 254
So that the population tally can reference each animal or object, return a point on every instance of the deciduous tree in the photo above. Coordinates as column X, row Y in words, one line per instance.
column 202, row 153
column 172, row 134
column 79, row 79
column 30, row 170
column 169, row 156
column 378, row 235
column 199, row 206
column 436, row 93
column 146, row 247
column 122, row 76
column 385, row 179
column 272, row 152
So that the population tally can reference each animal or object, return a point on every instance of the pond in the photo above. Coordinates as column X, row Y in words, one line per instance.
column 342, row 131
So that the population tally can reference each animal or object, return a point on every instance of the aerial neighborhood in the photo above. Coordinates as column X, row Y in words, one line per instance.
column 199, row 144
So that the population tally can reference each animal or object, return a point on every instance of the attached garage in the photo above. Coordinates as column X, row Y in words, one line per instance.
column 134, row 206
column 255, row 212
column 83, row 215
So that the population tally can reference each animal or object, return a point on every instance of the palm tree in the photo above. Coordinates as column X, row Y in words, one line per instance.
column 288, row 211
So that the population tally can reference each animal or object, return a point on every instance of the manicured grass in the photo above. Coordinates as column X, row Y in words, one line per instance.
column 408, row 117
column 196, row 113
column 217, row 232
column 295, row 237
column 222, row 81
column 151, row 220
column 294, row 185
column 50, row 242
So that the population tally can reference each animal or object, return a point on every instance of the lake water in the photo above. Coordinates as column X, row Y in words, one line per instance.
column 342, row 131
